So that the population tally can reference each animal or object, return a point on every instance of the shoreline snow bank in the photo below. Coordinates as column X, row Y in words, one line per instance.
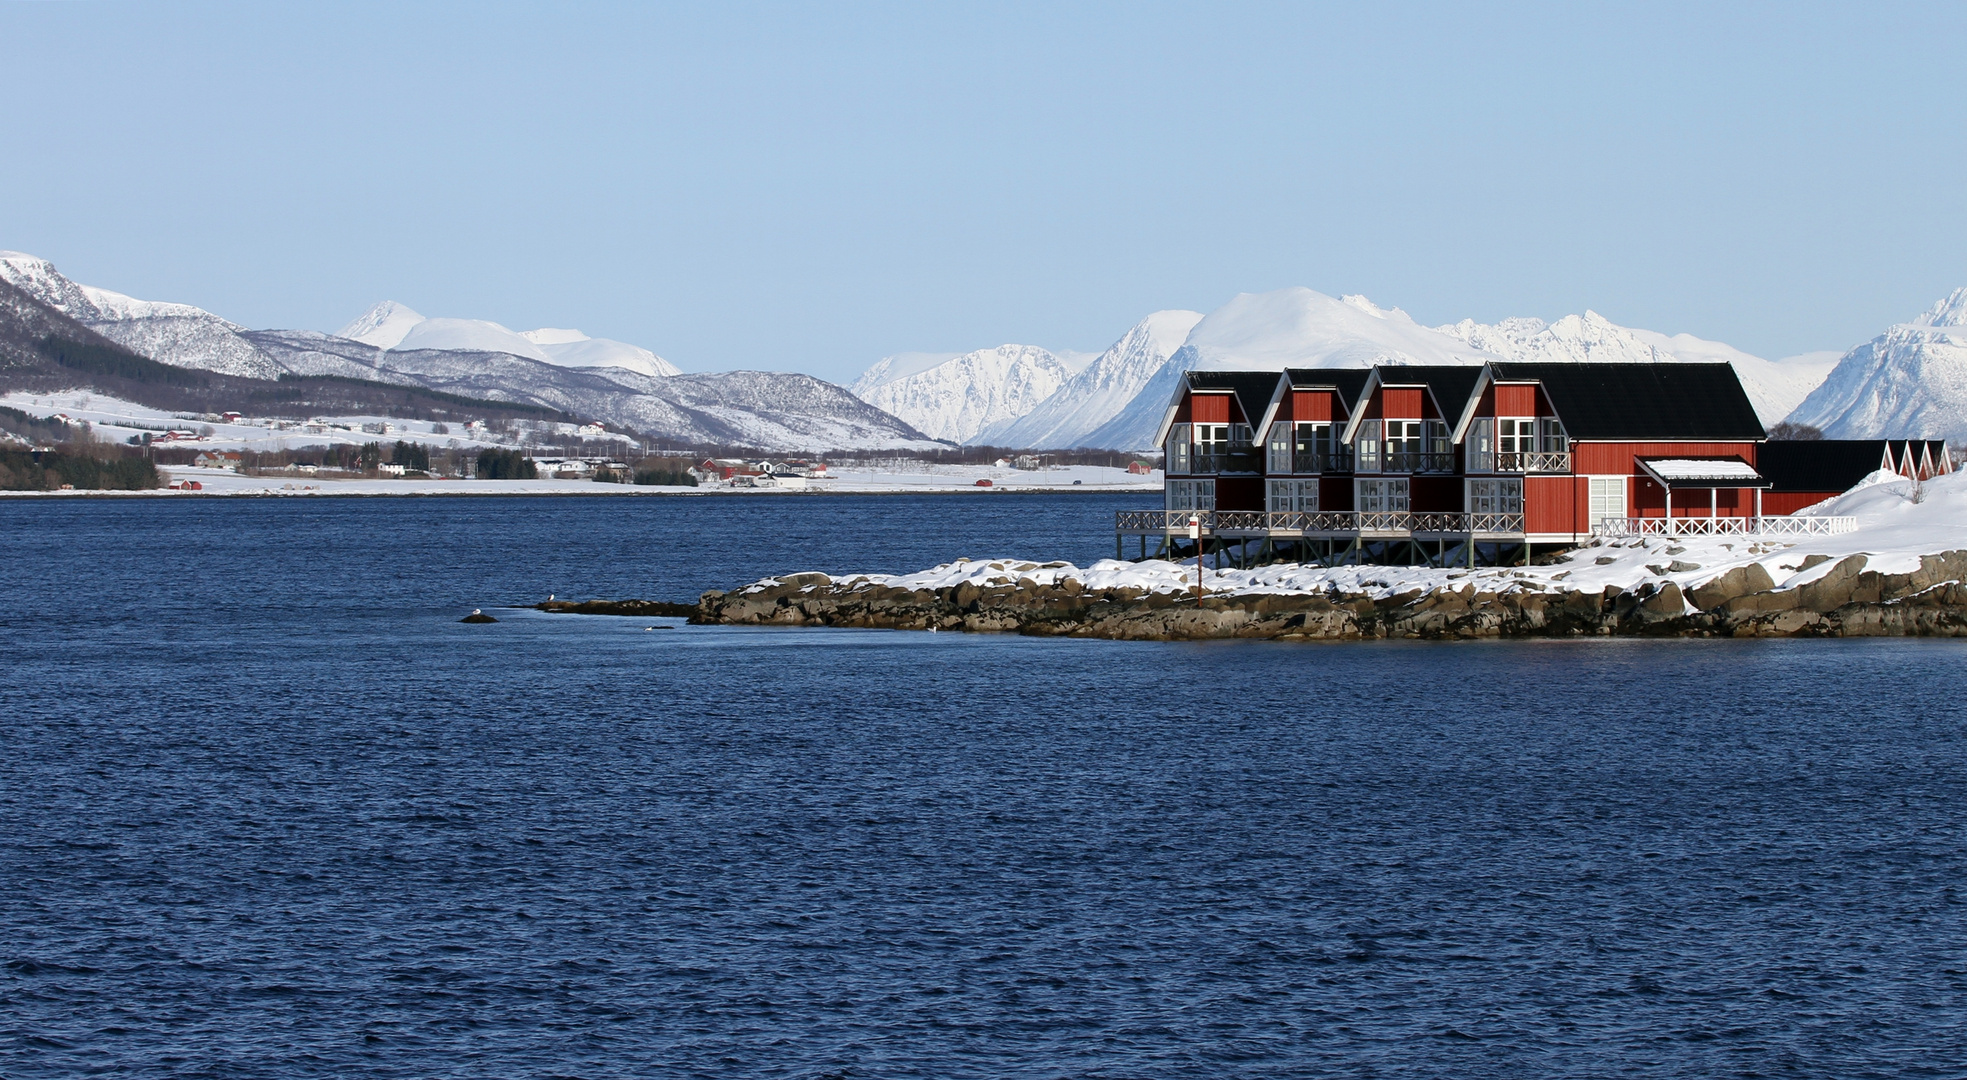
column 1904, row 553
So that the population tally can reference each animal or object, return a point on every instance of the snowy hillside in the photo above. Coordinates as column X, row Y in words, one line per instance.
column 619, row 384
column 1909, row 381
column 390, row 325
column 175, row 334
column 960, row 397
column 1773, row 388
column 1271, row 331
column 1097, row 394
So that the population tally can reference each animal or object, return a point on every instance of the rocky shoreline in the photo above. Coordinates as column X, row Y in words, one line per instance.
column 1847, row 600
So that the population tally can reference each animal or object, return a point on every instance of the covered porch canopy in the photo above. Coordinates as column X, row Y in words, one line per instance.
column 1715, row 473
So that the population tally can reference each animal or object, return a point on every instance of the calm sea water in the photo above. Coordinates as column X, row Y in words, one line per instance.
column 268, row 809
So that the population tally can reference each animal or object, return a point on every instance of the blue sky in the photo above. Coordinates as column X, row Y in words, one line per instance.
column 812, row 187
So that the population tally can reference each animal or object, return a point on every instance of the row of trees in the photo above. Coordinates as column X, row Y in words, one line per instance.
column 25, row 470
column 505, row 465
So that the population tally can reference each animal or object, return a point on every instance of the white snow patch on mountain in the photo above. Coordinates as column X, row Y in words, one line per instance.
column 1098, row 392
column 960, row 397
column 175, row 334
column 1295, row 327
column 390, row 325
column 468, row 335
column 1910, row 381
column 1773, row 388
column 382, row 326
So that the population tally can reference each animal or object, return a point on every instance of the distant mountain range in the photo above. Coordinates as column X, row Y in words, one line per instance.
column 1911, row 381
column 564, row 371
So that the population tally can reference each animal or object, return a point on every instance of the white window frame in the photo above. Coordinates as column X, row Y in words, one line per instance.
column 1366, row 447
column 1278, row 451
column 1482, row 445
column 1388, row 496
column 1178, row 449
column 1494, row 495
column 1291, row 497
column 1189, row 496
column 1605, row 499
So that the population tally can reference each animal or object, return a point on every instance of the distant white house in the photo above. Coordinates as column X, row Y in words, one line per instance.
column 218, row 459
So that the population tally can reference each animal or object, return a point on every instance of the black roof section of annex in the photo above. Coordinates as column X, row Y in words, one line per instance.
column 1833, row 464
column 1252, row 388
column 1643, row 401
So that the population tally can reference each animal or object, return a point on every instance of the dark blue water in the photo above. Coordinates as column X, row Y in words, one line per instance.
column 267, row 809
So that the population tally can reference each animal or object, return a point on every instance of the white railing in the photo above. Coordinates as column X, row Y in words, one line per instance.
column 1725, row 526
column 1531, row 462
column 1314, row 522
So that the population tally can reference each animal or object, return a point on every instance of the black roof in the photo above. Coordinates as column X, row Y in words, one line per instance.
column 1833, row 464
column 1643, row 401
column 1451, row 384
column 1253, row 389
column 1347, row 381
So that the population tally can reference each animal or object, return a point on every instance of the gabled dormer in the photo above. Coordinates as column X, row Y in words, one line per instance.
column 1210, row 424
column 1509, row 426
column 1403, row 420
column 1302, row 428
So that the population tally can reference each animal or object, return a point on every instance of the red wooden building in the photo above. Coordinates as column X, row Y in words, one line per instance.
column 1409, row 460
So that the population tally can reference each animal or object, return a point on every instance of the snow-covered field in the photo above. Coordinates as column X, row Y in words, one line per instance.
column 114, row 420
column 1893, row 532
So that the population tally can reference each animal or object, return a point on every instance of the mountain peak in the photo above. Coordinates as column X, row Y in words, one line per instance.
column 1951, row 311
column 383, row 326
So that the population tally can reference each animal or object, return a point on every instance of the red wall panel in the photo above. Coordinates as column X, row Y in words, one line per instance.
column 1210, row 408
column 1335, row 493
column 1553, row 504
column 1400, row 403
column 1435, row 494
column 1516, row 400
column 1618, row 458
column 1315, row 405
column 1240, row 493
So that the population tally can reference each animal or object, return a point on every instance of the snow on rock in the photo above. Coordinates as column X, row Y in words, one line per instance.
column 1101, row 390
column 1908, row 382
column 960, row 397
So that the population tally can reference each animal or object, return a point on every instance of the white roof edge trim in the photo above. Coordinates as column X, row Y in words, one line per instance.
column 1482, row 382
column 1358, row 410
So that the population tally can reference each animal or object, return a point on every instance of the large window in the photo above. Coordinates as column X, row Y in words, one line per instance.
column 1403, row 445
column 1292, row 496
column 1503, row 496
column 1178, row 450
column 1607, row 499
column 1482, row 445
column 1191, row 495
column 1366, row 446
column 1277, row 449
column 1514, row 436
column 1550, row 436
column 1382, row 496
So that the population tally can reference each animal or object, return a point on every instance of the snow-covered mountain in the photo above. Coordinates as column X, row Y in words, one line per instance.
column 1097, row 394
column 1773, row 387
column 619, row 384
column 1910, row 381
column 960, row 397
column 175, row 334
column 1295, row 327
column 390, row 325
